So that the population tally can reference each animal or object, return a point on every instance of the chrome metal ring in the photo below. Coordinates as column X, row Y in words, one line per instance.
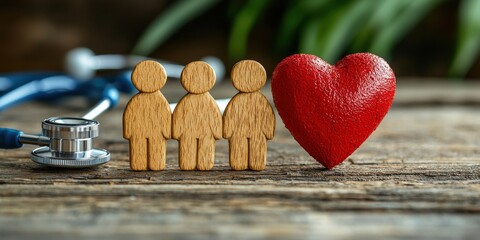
column 95, row 157
column 69, row 128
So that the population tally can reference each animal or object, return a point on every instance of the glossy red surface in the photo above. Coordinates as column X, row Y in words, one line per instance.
column 331, row 110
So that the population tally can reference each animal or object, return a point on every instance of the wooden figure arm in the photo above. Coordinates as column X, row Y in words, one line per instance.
column 127, row 133
column 167, row 127
column 177, row 121
column 269, row 124
column 127, row 125
column 166, row 116
column 227, row 123
column 176, row 127
column 217, row 124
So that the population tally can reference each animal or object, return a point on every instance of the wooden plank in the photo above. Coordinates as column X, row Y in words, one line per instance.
column 418, row 176
column 276, row 224
column 431, row 92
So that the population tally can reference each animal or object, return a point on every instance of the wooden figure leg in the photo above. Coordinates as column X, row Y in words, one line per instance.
column 138, row 154
column 257, row 153
column 156, row 153
column 206, row 153
column 238, row 153
column 187, row 155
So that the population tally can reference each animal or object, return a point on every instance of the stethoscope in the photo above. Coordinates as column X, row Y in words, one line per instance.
column 68, row 141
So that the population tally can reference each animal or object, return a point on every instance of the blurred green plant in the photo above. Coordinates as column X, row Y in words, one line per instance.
column 326, row 28
column 468, row 44
column 167, row 23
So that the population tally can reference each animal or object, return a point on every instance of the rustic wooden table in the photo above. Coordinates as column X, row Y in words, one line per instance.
column 418, row 176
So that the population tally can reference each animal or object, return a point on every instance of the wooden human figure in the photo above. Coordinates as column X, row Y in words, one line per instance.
column 248, row 120
column 147, row 118
column 197, row 120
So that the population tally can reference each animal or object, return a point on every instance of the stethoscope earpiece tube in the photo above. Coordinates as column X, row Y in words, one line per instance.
column 82, row 63
column 9, row 138
column 14, row 80
column 107, row 100
column 52, row 87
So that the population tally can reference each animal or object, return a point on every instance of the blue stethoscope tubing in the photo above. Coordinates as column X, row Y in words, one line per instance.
column 23, row 87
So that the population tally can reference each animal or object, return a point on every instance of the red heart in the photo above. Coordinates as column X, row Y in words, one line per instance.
column 331, row 110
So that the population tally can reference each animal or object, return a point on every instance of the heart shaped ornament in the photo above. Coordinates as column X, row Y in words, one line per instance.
column 331, row 110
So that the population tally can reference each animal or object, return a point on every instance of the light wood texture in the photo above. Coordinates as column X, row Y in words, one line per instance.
column 248, row 120
column 197, row 121
column 416, row 177
column 147, row 118
column 248, row 76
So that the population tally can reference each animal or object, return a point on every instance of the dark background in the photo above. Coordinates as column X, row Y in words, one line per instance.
column 35, row 35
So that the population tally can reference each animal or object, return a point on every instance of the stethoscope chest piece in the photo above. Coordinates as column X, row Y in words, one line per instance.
column 70, row 144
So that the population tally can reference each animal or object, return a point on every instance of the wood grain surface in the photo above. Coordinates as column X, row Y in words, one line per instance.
column 197, row 120
column 249, row 119
column 147, row 119
column 417, row 176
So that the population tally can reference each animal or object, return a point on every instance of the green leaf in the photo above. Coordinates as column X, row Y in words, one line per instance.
column 342, row 27
column 242, row 25
column 382, row 15
column 308, row 37
column 391, row 34
column 335, row 30
column 295, row 14
column 166, row 24
column 468, row 44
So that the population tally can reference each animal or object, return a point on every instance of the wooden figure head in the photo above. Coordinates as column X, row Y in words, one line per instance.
column 198, row 77
column 149, row 76
column 248, row 76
